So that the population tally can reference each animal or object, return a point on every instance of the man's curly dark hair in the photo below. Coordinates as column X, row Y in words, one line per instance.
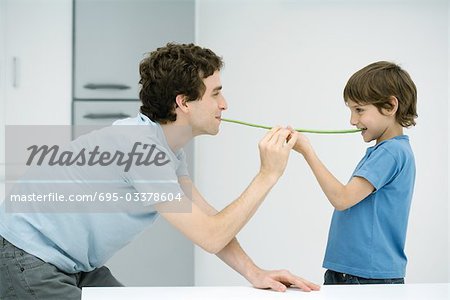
column 170, row 71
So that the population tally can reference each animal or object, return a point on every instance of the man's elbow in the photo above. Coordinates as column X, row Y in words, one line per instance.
column 212, row 247
column 213, row 240
column 213, row 234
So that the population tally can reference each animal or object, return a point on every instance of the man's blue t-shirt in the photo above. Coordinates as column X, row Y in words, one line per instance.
column 80, row 240
column 368, row 239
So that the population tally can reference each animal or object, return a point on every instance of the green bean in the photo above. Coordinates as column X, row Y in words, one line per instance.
column 296, row 129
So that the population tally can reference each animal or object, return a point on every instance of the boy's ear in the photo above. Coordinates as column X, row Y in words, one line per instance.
column 181, row 103
column 394, row 106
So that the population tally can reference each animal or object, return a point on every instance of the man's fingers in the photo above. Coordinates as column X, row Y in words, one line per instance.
column 282, row 136
column 279, row 136
column 270, row 135
column 280, row 280
column 305, row 285
column 289, row 279
column 277, row 286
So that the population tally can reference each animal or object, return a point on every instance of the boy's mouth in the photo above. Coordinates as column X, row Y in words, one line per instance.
column 363, row 130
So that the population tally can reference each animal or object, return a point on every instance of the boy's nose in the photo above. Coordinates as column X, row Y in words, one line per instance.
column 353, row 120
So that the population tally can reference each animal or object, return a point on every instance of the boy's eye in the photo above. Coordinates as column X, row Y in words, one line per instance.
column 358, row 110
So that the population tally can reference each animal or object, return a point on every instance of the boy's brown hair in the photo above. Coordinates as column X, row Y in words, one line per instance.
column 376, row 83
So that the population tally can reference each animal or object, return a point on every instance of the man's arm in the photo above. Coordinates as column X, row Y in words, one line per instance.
column 235, row 257
column 214, row 232
column 340, row 196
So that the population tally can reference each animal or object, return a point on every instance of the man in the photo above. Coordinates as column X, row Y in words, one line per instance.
column 51, row 256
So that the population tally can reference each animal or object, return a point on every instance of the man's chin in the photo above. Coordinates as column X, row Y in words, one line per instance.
column 210, row 132
column 215, row 132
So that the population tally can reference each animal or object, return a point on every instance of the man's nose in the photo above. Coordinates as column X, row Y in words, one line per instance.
column 223, row 104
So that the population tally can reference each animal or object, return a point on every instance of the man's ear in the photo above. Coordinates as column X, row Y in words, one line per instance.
column 181, row 103
column 394, row 106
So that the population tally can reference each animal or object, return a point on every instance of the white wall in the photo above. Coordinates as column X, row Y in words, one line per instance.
column 286, row 62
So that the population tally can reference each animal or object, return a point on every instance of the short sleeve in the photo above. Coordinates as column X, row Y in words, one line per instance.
column 182, row 169
column 156, row 179
column 379, row 168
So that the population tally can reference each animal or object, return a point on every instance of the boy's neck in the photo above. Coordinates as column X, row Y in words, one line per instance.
column 391, row 132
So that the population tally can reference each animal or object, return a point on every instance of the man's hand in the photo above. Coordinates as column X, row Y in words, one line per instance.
column 280, row 280
column 274, row 151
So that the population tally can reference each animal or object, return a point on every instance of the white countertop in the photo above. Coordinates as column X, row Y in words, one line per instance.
column 435, row 291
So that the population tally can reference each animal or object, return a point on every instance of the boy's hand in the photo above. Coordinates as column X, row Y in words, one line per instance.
column 302, row 145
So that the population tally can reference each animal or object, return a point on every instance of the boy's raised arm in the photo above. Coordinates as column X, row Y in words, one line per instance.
column 340, row 196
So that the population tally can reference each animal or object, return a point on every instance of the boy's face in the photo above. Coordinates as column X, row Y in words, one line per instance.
column 206, row 113
column 374, row 124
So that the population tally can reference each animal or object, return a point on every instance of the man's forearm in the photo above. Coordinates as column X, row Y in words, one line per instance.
column 235, row 257
column 212, row 230
column 232, row 254
column 227, row 223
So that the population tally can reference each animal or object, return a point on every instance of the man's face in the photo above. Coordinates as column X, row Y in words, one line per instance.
column 206, row 113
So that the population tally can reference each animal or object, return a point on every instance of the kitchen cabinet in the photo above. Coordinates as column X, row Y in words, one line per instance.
column 2, row 99
column 112, row 37
column 36, row 61
column 97, row 112
column 35, row 65
column 38, row 85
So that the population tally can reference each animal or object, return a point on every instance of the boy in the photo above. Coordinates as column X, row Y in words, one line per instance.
column 368, row 229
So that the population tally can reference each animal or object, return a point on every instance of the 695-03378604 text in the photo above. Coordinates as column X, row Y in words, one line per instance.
column 97, row 196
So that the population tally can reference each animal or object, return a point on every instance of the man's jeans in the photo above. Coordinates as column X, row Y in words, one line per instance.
column 332, row 277
column 24, row 276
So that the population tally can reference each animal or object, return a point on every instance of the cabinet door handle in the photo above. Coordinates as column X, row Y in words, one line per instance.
column 106, row 116
column 15, row 65
column 106, row 86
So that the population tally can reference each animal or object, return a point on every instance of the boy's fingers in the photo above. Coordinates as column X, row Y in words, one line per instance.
column 292, row 140
column 285, row 136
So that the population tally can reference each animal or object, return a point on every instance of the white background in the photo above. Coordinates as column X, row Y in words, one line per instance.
column 287, row 62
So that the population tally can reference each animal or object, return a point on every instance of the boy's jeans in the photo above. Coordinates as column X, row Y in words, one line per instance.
column 24, row 276
column 332, row 277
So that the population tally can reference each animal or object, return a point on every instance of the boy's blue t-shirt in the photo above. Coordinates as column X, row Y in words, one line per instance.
column 368, row 239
